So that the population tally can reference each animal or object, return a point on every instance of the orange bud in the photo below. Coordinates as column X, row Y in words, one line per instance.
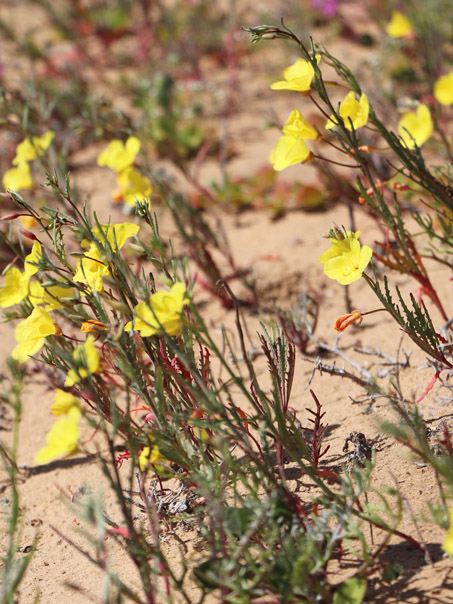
column 92, row 325
column 117, row 197
column 345, row 320
column 400, row 187
column 28, row 222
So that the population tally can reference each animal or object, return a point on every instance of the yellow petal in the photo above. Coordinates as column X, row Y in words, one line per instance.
column 14, row 290
column 443, row 89
column 399, row 26
column 416, row 126
column 62, row 438
column 18, row 178
column 288, row 151
column 63, row 402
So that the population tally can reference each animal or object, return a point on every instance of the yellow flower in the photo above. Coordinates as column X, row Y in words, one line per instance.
column 91, row 268
column 163, row 313
column 62, row 438
column 15, row 288
column 399, row 26
column 118, row 155
column 52, row 297
column 18, row 178
column 86, row 359
column 133, row 186
column 31, row 260
column 416, row 126
column 297, row 77
column 447, row 545
column 291, row 148
column 346, row 260
column 63, row 402
column 443, row 89
column 28, row 149
column 116, row 234
column 31, row 334
column 353, row 111
column 153, row 457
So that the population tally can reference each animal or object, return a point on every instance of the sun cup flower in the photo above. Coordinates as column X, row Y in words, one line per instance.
column 18, row 178
column 63, row 402
column 443, row 89
column 163, row 313
column 133, row 186
column 447, row 545
column 351, row 110
column 91, row 268
column 291, row 148
column 415, row 128
column 30, row 149
column 399, row 26
column 15, row 288
column 31, row 334
column 118, row 155
column 62, row 438
column 346, row 260
column 86, row 358
column 50, row 297
column 297, row 77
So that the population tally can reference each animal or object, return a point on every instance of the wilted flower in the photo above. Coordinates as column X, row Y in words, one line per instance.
column 351, row 110
column 399, row 26
column 345, row 320
column 92, row 326
column 297, row 77
column 291, row 148
column 346, row 260
column 118, row 155
column 415, row 128
column 443, row 89
column 62, row 437
column 31, row 334
column 163, row 313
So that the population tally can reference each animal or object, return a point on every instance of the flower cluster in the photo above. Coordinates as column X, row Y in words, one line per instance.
column 120, row 158
column 19, row 177
column 291, row 148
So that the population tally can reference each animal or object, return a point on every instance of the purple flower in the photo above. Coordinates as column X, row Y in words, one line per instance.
column 327, row 7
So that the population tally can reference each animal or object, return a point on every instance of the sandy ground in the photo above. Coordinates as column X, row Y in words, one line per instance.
column 283, row 255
